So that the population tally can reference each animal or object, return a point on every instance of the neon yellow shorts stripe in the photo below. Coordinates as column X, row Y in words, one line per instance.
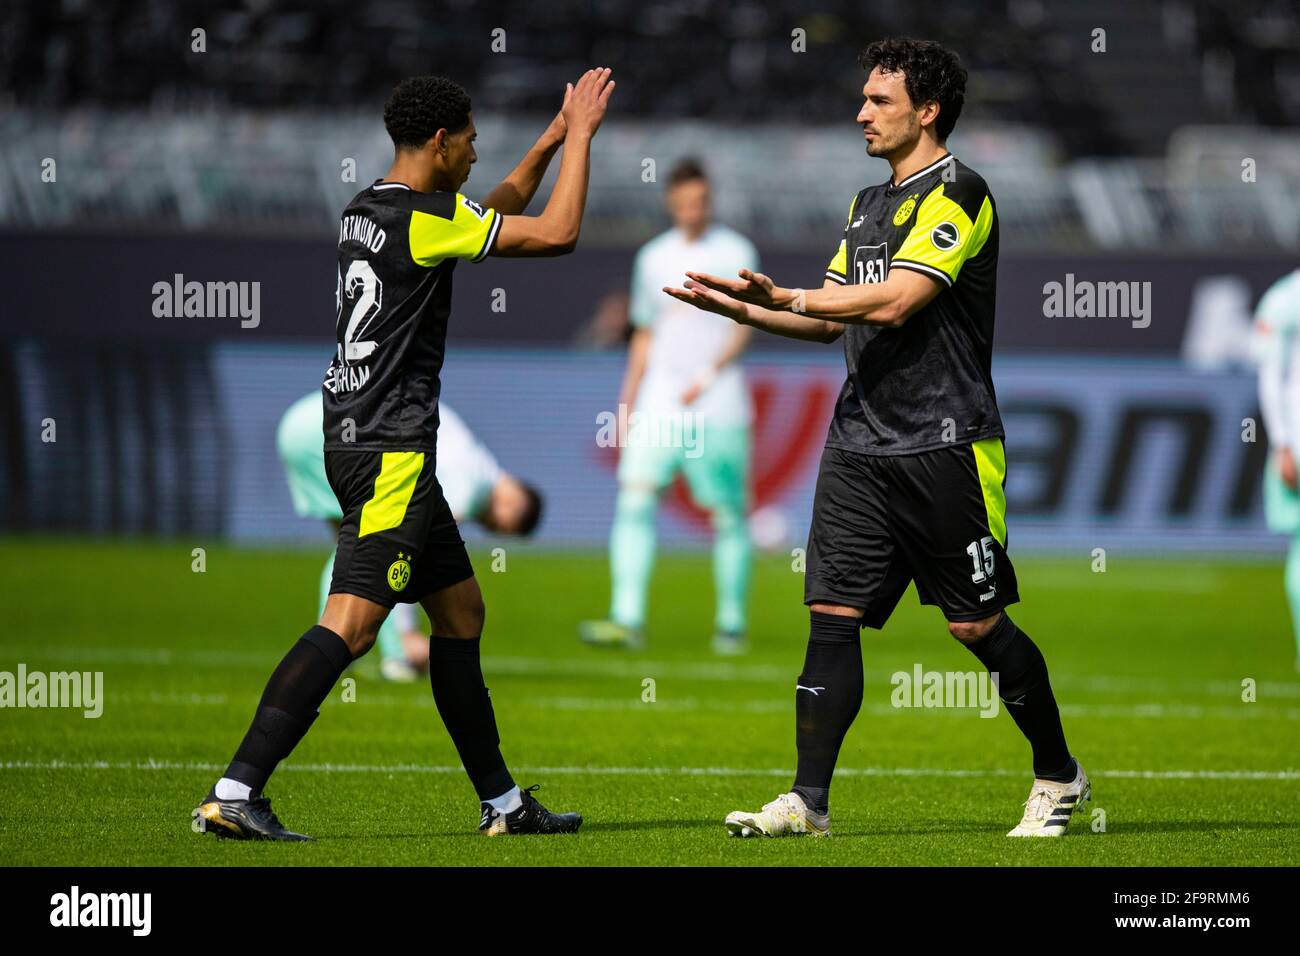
column 393, row 489
column 991, row 463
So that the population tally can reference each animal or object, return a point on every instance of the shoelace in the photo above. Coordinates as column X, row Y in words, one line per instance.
column 530, row 805
column 1040, row 803
column 782, row 805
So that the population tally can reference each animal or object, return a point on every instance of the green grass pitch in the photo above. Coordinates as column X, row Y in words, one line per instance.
column 1147, row 660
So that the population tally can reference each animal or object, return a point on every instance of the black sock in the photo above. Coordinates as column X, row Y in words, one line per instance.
column 466, row 708
column 289, row 704
column 827, row 698
column 1024, row 687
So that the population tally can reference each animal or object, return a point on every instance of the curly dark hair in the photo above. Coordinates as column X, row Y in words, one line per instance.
column 422, row 105
column 930, row 71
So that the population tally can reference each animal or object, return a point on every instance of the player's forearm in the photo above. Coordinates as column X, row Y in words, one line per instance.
column 638, row 351
column 631, row 385
column 868, row 304
column 792, row 325
column 562, row 217
column 516, row 191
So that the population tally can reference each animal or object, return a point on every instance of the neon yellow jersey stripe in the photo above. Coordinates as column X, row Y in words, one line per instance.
column 991, row 463
column 393, row 489
column 468, row 234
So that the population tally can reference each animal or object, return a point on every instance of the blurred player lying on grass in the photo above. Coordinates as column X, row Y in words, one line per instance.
column 475, row 486
column 399, row 241
column 911, row 481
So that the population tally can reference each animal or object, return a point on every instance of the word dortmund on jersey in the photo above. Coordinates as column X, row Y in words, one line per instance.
column 926, row 384
column 397, row 250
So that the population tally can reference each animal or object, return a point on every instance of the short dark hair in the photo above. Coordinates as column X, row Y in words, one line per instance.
column 422, row 105
column 930, row 71
column 532, row 515
column 685, row 170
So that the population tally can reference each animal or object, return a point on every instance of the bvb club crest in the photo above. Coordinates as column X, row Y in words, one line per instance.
column 905, row 210
column 399, row 572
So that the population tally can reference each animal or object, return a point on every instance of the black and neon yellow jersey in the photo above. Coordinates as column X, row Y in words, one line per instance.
column 397, row 250
column 926, row 384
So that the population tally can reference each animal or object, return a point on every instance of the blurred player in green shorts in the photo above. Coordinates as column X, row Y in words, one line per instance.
column 685, row 398
column 1276, row 344
column 473, row 483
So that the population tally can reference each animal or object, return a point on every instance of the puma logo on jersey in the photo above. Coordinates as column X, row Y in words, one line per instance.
column 811, row 690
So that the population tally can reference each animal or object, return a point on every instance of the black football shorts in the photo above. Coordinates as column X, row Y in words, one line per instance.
column 398, row 541
column 937, row 518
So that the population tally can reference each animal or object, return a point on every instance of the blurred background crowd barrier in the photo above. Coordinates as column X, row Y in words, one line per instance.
column 1163, row 151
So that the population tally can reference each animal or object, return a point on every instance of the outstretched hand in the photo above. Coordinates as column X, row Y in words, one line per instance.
column 752, row 287
column 708, row 300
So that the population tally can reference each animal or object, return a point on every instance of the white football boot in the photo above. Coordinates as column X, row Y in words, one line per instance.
column 611, row 634
column 787, row 815
column 1048, row 809
column 730, row 644
column 398, row 671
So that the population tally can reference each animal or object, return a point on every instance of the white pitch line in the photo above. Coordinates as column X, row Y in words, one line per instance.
column 637, row 669
column 652, row 771
column 367, row 697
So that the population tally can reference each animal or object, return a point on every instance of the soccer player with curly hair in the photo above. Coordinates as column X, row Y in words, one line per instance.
column 398, row 244
column 911, row 480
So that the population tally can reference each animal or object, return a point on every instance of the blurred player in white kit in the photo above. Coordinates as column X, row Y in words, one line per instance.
column 684, row 382
column 1276, row 347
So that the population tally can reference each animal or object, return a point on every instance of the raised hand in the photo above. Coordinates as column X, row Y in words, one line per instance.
column 585, row 101
column 555, row 132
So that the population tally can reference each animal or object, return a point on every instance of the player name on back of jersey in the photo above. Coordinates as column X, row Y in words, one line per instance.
column 346, row 378
column 360, row 229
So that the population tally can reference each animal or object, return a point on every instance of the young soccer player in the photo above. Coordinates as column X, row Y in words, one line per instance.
column 399, row 241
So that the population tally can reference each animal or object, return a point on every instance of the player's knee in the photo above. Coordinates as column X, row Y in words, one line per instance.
column 727, row 517
column 354, row 619
column 970, row 631
column 1015, row 661
column 839, row 610
column 464, row 619
column 636, row 502
column 456, row 611
column 474, row 615
column 361, row 639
